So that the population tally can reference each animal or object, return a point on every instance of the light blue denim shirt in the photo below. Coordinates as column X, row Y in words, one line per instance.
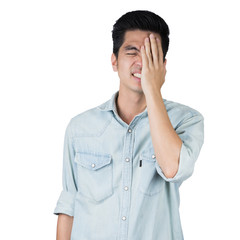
column 112, row 183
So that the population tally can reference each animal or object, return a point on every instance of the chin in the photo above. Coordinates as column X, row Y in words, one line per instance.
column 137, row 90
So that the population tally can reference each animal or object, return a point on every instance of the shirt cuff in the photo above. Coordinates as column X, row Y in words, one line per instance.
column 185, row 168
column 65, row 204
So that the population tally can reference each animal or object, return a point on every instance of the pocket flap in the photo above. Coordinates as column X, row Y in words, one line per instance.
column 92, row 161
column 148, row 155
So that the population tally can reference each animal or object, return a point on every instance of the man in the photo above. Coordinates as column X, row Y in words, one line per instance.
column 125, row 159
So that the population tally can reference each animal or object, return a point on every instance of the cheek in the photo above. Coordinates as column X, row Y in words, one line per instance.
column 125, row 66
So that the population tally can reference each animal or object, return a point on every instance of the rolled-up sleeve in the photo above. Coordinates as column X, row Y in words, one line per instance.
column 191, row 132
column 66, row 200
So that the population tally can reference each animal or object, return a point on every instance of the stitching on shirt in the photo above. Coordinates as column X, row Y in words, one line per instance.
column 184, row 119
column 99, row 133
column 105, row 127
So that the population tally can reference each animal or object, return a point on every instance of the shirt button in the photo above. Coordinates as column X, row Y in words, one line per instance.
column 153, row 156
column 129, row 130
column 123, row 218
column 127, row 159
column 93, row 165
column 126, row 188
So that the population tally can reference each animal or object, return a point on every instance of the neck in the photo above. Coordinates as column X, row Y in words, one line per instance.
column 129, row 104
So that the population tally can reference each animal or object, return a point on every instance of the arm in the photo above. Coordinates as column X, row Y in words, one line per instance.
column 66, row 201
column 166, row 142
column 64, row 227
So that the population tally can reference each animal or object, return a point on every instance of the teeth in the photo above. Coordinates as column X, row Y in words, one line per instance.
column 138, row 75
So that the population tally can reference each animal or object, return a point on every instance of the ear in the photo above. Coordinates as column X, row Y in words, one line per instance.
column 165, row 62
column 114, row 62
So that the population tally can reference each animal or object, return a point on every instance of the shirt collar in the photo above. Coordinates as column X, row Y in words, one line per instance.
column 111, row 104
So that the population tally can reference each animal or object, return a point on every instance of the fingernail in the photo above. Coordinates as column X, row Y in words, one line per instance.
column 151, row 35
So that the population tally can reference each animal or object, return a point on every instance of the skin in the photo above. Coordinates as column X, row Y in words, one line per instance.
column 134, row 95
column 64, row 227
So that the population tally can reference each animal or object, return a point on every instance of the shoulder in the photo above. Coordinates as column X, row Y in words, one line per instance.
column 91, row 122
column 179, row 113
column 177, row 108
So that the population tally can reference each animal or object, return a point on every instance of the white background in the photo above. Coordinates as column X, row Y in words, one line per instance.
column 55, row 64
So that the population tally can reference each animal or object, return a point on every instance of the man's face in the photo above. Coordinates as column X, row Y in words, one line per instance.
column 129, row 60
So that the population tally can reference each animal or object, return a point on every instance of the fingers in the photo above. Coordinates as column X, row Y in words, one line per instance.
column 160, row 52
column 144, row 56
column 148, row 51
column 154, row 49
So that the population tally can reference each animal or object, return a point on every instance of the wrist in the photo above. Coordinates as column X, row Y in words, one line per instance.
column 152, row 92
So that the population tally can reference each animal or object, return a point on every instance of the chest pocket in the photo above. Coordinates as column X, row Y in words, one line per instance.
column 150, row 182
column 95, row 175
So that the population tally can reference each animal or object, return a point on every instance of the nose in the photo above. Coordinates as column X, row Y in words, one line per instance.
column 139, row 61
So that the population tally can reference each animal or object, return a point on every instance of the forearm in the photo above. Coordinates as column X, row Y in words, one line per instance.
column 166, row 143
column 64, row 227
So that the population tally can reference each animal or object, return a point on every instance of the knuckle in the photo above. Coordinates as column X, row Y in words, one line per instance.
column 147, row 70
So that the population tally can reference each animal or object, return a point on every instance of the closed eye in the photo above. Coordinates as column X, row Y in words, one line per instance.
column 131, row 53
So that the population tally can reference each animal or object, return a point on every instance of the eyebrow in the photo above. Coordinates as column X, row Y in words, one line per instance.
column 130, row 47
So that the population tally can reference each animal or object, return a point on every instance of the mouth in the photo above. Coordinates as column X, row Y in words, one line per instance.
column 137, row 75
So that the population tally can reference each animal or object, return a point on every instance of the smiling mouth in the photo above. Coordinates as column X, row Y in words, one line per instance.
column 138, row 75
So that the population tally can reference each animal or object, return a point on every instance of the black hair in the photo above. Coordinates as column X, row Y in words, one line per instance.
column 140, row 20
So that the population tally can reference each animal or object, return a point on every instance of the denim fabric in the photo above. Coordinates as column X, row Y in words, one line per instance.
column 112, row 183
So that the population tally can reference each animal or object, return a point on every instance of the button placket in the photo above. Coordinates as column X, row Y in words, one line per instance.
column 126, row 181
